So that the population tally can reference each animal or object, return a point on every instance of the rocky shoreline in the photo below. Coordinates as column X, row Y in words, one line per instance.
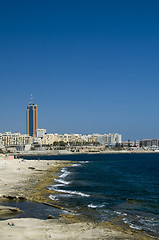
column 27, row 181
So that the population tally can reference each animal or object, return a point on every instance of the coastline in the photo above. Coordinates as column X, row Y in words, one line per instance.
column 53, row 153
column 28, row 180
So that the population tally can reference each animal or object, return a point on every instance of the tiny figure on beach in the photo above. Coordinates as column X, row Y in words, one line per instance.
column 12, row 224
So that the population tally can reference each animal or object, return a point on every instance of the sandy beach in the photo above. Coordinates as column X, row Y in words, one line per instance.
column 27, row 180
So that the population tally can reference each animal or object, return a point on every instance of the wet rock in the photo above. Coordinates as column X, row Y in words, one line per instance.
column 31, row 168
column 10, row 197
column 13, row 198
column 7, row 210
column 50, row 217
column 22, row 198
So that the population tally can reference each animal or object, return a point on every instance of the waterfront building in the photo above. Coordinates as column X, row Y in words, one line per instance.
column 49, row 139
column 154, row 143
column 32, row 119
column 114, row 138
column 108, row 139
column 130, row 144
column 79, row 139
column 40, row 132
column 99, row 138
column 148, row 143
column 145, row 143
column 15, row 139
column 1, row 142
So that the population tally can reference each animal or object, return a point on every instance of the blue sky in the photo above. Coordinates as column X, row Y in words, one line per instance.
column 92, row 66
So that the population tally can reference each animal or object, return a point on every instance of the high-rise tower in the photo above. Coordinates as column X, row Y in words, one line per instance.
column 32, row 119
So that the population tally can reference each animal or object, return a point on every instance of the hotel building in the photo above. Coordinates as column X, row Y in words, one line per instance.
column 32, row 119
column 15, row 139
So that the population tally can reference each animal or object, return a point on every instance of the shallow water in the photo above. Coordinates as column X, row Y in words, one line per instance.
column 31, row 210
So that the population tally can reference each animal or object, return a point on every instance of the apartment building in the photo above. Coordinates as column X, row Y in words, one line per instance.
column 15, row 139
column 106, row 139
column 148, row 143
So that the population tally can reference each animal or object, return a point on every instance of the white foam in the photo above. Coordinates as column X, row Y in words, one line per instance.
column 63, row 169
column 53, row 187
column 76, row 165
column 124, row 214
column 64, row 174
column 121, row 214
column 91, row 205
column 148, row 221
column 52, row 197
column 72, row 192
column 135, row 227
column 102, row 205
column 83, row 161
column 61, row 181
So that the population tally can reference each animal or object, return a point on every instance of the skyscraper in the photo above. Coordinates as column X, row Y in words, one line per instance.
column 32, row 119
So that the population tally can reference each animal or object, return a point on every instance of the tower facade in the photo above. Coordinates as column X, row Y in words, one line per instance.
column 32, row 119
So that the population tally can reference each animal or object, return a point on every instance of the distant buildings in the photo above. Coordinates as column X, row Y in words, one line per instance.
column 149, row 144
column 23, row 142
column 32, row 119
column 40, row 132
column 14, row 141
column 109, row 139
column 38, row 139
column 79, row 139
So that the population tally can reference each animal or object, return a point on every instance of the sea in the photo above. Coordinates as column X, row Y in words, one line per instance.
column 121, row 188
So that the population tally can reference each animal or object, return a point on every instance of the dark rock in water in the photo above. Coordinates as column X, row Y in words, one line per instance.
column 10, row 197
column 13, row 210
column 50, row 217
column 22, row 198
column 14, row 198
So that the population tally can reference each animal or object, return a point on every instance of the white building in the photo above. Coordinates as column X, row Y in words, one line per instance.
column 40, row 133
column 15, row 139
column 108, row 139
column 113, row 139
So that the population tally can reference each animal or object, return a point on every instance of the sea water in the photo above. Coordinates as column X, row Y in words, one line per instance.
column 123, row 188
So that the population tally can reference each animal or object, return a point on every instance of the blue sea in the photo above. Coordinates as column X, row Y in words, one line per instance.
column 122, row 188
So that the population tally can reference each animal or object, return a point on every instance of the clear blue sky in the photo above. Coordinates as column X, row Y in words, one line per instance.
column 92, row 66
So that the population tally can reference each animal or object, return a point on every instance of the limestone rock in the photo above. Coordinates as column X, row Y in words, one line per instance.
column 6, row 210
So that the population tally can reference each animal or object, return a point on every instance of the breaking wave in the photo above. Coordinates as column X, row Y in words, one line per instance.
column 72, row 192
